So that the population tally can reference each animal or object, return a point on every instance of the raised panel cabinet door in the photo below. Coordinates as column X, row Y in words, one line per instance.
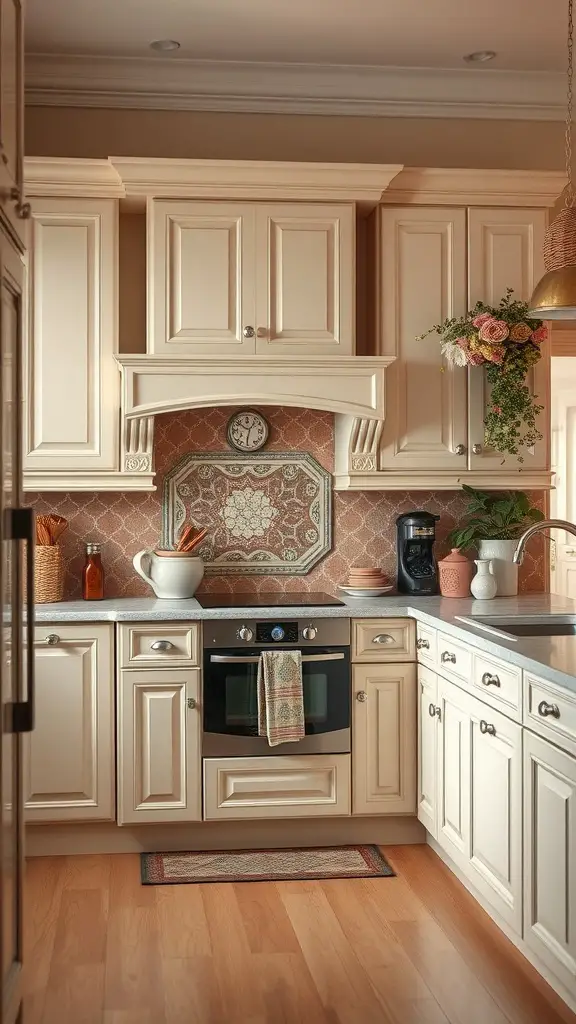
column 306, row 279
column 159, row 762
column 12, row 206
column 550, row 857
column 201, row 278
column 384, row 739
column 453, row 771
column 71, row 338
column 427, row 755
column 505, row 251
column 69, row 757
column 496, row 811
column 422, row 280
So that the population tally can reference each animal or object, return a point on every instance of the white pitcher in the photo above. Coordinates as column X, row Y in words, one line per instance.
column 171, row 574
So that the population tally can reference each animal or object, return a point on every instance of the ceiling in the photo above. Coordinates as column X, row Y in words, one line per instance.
column 400, row 33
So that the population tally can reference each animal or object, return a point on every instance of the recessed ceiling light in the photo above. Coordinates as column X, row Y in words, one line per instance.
column 165, row 45
column 479, row 56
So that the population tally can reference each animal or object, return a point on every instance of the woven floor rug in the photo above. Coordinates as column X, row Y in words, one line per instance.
column 264, row 865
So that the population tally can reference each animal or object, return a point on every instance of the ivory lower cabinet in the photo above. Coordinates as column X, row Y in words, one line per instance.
column 550, row 856
column 69, row 757
column 428, row 712
column 384, row 739
column 277, row 787
column 159, row 763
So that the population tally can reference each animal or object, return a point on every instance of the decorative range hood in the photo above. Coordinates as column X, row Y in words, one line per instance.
column 352, row 387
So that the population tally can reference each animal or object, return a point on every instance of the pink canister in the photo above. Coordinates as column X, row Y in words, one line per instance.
column 455, row 573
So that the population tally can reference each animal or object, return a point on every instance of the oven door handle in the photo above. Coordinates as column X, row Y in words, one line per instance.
column 224, row 659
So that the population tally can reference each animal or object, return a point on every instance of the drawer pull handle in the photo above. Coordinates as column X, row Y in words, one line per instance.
column 383, row 638
column 489, row 680
column 434, row 711
column 52, row 639
column 545, row 709
column 191, row 703
column 487, row 727
column 162, row 645
column 362, row 696
column 448, row 656
column 422, row 644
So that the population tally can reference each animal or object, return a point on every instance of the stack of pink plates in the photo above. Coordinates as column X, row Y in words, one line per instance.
column 366, row 583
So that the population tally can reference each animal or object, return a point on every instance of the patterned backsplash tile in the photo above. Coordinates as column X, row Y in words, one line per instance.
column 363, row 522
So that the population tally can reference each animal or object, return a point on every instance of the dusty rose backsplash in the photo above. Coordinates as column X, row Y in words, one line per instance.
column 364, row 522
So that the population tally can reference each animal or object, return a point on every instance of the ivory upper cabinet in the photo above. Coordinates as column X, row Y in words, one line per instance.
column 229, row 278
column 422, row 280
column 70, row 342
column 305, row 279
column 505, row 251
column 12, row 206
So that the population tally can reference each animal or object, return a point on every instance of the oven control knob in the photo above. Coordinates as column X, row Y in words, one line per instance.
column 245, row 633
column 277, row 633
column 309, row 632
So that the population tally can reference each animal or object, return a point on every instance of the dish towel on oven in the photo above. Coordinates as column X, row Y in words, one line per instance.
column 280, row 697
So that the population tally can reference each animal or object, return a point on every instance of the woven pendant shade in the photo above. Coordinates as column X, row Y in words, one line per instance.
column 560, row 241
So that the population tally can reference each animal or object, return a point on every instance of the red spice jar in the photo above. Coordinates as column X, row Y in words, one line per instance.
column 455, row 574
column 93, row 574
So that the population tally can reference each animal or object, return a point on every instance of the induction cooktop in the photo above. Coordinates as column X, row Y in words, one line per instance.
column 265, row 600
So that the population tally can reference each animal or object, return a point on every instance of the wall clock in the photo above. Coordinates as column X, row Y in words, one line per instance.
column 247, row 431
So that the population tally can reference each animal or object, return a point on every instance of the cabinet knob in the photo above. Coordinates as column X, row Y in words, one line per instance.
column 489, row 680
column 422, row 644
column 383, row 638
column 546, row 710
column 52, row 639
column 23, row 210
column 248, row 332
column 448, row 656
column 477, row 449
column 362, row 696
column 460, row 449
column 162, row 645
column 487, row 727
column 191, row 703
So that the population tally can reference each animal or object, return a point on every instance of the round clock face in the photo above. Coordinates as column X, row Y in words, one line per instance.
column 247, row 431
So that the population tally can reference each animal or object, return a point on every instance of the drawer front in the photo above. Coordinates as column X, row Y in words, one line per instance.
column 501, row 684
column 154, row 644
column 550, row 711
column 426, row 645
column 276, row 787
column 453, row 658
column 383, row 640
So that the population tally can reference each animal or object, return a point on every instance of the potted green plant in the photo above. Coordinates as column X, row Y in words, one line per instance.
column 494, row 524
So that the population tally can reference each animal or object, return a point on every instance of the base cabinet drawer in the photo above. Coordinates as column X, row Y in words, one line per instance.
column 276, row 787
column 426, row 643
column 454, row 658
column 498, row 684
column 158, row 643
column 550, row 711
column 383, row 640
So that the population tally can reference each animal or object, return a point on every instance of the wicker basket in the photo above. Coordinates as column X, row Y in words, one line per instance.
column 48, row 574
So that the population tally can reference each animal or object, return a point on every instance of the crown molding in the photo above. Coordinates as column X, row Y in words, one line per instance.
column 178, row 84
column 440, row 185
column 61, row 176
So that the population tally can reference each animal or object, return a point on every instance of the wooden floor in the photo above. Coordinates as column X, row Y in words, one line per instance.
column 416, row 949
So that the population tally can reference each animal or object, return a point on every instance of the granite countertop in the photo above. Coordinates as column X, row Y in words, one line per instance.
column 553, row 658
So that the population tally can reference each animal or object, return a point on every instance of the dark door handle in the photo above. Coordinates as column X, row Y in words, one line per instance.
column 21, row 527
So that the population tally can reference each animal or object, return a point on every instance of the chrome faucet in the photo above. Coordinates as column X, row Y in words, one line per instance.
column 545, row 524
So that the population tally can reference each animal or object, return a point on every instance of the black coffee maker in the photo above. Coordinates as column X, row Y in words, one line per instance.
column 417, row 568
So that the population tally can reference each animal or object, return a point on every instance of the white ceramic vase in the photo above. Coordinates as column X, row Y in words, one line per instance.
column 171, row 574
column 506, row 572
column 484, row 585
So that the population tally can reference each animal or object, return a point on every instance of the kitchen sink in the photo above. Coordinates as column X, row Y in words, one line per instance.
column 524, row 625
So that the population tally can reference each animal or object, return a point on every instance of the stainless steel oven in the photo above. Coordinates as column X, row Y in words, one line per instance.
column 230, row 706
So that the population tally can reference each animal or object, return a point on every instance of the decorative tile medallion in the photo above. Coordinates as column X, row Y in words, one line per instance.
column 269, row 513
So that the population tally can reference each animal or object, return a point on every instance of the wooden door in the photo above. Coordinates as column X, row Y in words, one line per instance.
column 505, row 251
column 550, row 856
column 71, row 340
column 384, row 739
column 305, row 266
column 427, row 755
column 422, row 280
column 201, row 278
column 69, row 758
column 13, row 209
column 453, row 771
column 159, row 762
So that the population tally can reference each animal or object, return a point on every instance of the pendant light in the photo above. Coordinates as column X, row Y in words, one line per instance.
column 554, row 297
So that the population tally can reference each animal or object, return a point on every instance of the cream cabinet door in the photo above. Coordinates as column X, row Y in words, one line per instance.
column 69, row 757
column 201, row 278
column 72, row 379
column 306, row 279
column 159, row 763
column 422, row 280
column 505, row 251
column 427, row 756
column 550, row 857
column 453, row 771
column 12, row 115
column 384, row 739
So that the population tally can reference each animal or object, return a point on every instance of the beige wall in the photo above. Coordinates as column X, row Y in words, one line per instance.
column 52, row 131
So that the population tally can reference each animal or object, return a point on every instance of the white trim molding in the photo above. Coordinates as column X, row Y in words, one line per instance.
column 155, row 83
column 62, row 176
column 461, row 186
column 391, row 480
